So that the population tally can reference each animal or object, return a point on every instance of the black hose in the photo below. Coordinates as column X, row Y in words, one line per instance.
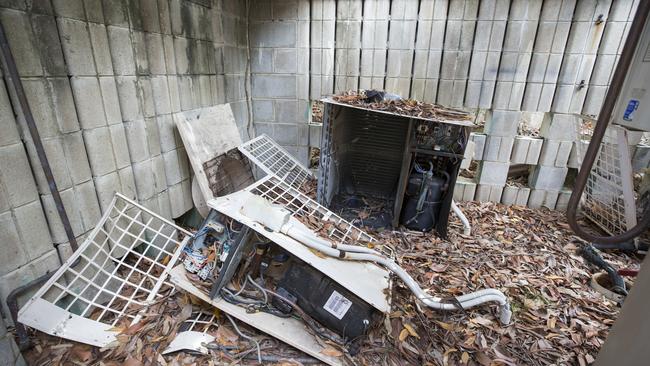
column 590, row 254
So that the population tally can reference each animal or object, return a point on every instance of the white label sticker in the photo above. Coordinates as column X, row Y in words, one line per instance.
column 337, row 305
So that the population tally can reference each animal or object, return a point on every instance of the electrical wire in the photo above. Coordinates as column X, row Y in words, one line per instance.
column 262, row 289
column 257, row 344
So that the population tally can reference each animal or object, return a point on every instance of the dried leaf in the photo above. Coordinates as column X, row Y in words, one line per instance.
column 331, row 351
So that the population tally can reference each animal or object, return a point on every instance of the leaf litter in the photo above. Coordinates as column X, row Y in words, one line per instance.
column 531, row 255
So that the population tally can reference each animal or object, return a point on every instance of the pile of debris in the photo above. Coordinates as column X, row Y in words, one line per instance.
column 382, row 101
column 274, row 276
column 532, row 254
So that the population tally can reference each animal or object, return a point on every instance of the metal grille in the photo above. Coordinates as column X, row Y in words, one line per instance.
column 201, row 321
column 275, row 160
column 608, row 199
column 301, row 206
column 119, row 269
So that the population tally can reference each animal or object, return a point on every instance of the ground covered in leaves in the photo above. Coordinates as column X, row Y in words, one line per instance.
column 531, row 255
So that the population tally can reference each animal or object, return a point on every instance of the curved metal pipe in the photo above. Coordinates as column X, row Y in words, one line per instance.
column 467, row 228
column 599, row 132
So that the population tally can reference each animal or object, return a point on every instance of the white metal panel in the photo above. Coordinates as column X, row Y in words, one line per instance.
column 289, row 330
column 274, row 159
column 206, row 134
column 118, row 270
column 194, row 333
column 367, row 280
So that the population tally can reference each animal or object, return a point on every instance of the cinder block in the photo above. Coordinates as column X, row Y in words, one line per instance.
column 140, row 52
column 100, row 151
column 33, row 229
column 534, row 151
column 174, row 97
column 162, row 103
column 76, row 157
column 128, row 95
column 548, row 156
column 77, row 48
column 536, row 198
column 121, row 50
column 69, row 9
column 502, row 123
column 493, row 173
column 13, row 253
column 558, row 126
column 496, row 193
column 153, row 136
column 167, row 132
column 492, row 145
column 120, row 146
column 101, row 49
column 127, row 182
column 110, row 99
column 274, row 86
column 509, row 196
column 106, row 186
column 88, row 97
column 470, row 191
column 176, row 200
column 522, row 196
column 551, row 199
column 172, row 168
column 170, row 57
column 22, row 43
column 563, row 200
column 159, row 175
column 94, row 11
column 8, row 125
column 56, row 227
column 484, row 193
column 184, row 163
column 57, row 159
column 16, row 175
column 40, row 102
column 520, row 150
column 146, row 96
column 88, row 204
column 285, row 61
column 136, row 137
column 563, row 152
column 63, row 104
column 548, row 177
column 459, row 190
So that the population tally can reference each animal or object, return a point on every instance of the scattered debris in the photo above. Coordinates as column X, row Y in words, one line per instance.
column 557, row 317
column 375, row 100
column 273, row 258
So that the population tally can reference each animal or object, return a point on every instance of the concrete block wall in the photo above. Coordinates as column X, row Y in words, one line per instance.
column 103, row 79
column 521, row 55
column 280, row 64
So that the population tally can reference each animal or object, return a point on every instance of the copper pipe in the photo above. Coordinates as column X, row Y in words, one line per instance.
column 599, row 132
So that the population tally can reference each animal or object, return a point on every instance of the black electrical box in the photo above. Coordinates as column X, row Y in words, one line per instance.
column 327, row 302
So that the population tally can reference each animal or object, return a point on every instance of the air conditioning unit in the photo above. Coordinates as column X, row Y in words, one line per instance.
column 396, row 168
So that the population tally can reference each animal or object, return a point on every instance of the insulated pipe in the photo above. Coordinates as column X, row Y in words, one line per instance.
column 467, row 227
column 277, row 219
column 465, row 301
column 636, row 29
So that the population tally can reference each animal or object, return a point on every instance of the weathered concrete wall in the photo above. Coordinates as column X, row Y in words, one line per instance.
column 103, row 79
column 499, row 58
